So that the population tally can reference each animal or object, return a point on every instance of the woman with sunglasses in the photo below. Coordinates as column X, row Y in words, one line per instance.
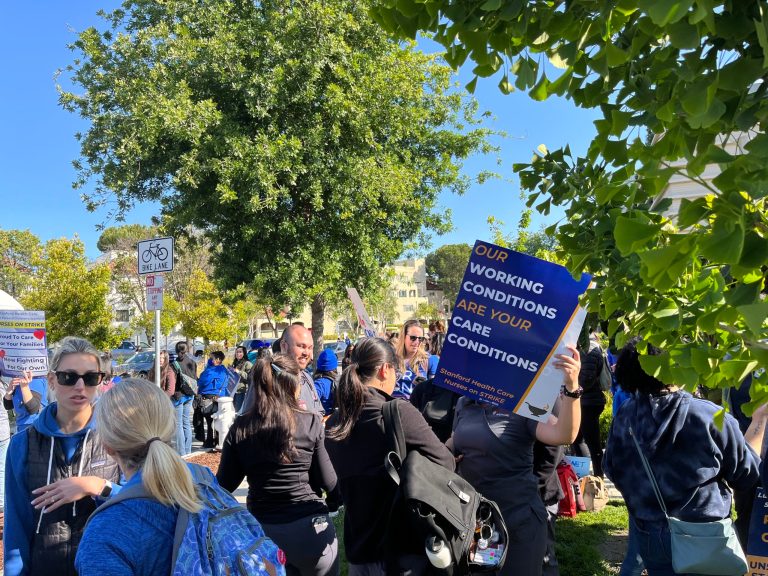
column 416, row 360
column 280, row 449
column 357, row 444
column 56, row 468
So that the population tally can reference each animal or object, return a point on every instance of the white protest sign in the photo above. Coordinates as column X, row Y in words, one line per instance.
column 155, row 255
column 362, row 315
column 23, row 345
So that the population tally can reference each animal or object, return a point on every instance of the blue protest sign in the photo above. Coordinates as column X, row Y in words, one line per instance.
column 757, row 542
column 512, row 315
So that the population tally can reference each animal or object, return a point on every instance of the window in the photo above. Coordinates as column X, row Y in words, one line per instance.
column 412, row 293
column 123, row 315
column 408, row 308
column 402, row 293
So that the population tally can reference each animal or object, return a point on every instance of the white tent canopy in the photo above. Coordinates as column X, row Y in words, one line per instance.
column 8, row 302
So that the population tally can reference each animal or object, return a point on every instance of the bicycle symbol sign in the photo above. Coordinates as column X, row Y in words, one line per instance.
column 155, row 255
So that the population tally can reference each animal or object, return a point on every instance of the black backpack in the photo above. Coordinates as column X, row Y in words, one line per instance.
column 436, row 504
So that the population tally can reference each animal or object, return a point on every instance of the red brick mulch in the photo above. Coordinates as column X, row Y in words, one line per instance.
column 210, row 459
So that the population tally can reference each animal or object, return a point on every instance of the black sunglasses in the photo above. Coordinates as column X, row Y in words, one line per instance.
column 419, row 338
column 71, row 378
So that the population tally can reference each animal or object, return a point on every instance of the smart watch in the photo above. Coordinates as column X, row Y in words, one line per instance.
column 107, row 490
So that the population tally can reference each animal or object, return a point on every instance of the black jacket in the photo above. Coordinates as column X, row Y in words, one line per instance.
column 589, row 377
column 367, row 490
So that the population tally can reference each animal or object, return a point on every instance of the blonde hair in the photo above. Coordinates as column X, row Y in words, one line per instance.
column 136, row 419
column 421, row 358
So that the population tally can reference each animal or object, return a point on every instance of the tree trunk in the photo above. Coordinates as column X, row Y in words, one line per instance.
column 318, row 321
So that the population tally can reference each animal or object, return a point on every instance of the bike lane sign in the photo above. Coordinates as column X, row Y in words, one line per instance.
column 155, row 255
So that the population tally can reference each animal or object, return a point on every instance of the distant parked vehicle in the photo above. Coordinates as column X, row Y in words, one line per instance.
column 127, row 348
column 140, row 365
column 338, row 348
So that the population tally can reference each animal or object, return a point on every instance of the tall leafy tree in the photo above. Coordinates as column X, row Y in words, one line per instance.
column 73, row 294
column 680, row 86
column 446, row 267
column 300, row 140
column 18, row 250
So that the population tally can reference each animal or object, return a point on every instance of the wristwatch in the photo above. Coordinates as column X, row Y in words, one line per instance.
column 107, row 490
column 575, row 394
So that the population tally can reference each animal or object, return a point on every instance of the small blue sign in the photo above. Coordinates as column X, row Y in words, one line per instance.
column 513, row 313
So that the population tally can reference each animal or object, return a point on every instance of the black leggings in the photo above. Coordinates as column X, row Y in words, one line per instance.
column 588, row 443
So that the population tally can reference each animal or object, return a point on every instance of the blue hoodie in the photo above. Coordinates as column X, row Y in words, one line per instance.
column 23, row 418
column 143, row 545
column 19, row 514
column 213, row 381
column 691, row 458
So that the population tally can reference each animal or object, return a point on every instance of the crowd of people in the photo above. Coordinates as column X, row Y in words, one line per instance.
column 308, row 444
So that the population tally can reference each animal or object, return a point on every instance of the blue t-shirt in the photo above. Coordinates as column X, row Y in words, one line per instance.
column 405, row 383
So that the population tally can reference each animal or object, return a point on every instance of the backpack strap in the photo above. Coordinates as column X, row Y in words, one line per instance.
column 128, row 493
column 393, row 428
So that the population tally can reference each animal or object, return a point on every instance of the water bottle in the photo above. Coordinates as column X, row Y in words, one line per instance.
column 438, row 552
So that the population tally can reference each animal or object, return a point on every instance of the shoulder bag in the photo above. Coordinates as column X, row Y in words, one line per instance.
column 710, row 548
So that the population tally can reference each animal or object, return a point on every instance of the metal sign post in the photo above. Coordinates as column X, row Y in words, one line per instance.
column 155, row 255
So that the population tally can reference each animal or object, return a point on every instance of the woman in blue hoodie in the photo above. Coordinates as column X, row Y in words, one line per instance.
column 212, row 384
column 55, row 469
column 696, row 463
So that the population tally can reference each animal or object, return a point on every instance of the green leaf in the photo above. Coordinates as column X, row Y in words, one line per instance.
column 631, row 233
column 491, row 5
column 744, row 294
column 725, row 242
column 525, row 74
column 719, row 418
column 505, row 85
column 471, row 85
column 754, row 316
column 616, row 56
column 664, row 12
column 692, row 212
column 762, row 38
column 684, row 36
column 737, row 370
column 540, row 92
column 755, row 252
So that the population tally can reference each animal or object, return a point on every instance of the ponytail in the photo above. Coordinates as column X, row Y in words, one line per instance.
column 366, row 359
column 136, row 419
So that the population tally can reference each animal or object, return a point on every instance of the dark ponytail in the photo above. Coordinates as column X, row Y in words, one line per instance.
column 367, row 357
column 270, row 404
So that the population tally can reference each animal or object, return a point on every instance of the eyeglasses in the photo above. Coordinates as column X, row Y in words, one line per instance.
column 71, row 378
column 414, row 338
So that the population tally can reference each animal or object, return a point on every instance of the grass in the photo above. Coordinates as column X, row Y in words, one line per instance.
column 582, row 541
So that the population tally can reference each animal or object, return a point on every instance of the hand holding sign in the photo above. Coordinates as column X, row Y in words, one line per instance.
column 22, row 381
column 571, row 366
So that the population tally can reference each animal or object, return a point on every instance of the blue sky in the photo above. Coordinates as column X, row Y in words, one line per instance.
column 38, row 145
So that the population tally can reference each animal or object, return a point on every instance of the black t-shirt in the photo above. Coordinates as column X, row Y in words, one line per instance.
column 280, row 492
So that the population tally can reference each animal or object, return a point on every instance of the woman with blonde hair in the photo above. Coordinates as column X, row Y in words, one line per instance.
column 416, row 361
column 56, row 467
column 137, row 425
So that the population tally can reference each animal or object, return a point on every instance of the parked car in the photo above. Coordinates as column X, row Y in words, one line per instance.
column 140, row 365
column 338, row 348
column 127, row 348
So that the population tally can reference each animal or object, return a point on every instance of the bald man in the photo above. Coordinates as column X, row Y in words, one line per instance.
column 297, row 342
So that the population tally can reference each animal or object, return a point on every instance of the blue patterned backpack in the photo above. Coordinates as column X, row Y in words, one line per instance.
column 222, row 539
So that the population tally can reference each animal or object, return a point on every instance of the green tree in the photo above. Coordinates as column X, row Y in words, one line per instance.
column 427, row 311
column 446, row 267
column 303, row 143
column 542, row 244
column 18, row 250
column 679, row 85
column 72, row 293
column 201, row 312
